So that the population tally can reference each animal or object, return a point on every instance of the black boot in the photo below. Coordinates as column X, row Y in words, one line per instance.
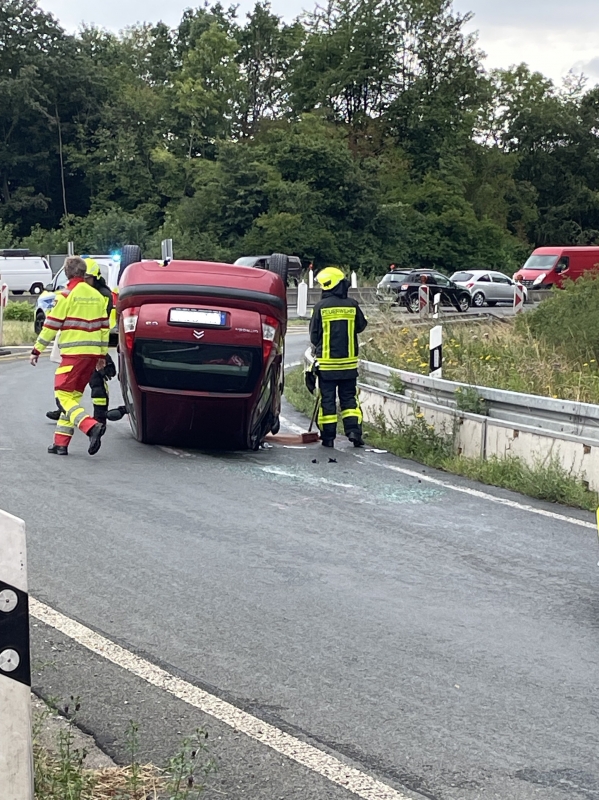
column 115, row 414
column 355, row 438
column 58, row 450
column 95, row 438
column 54, row 415
column 328, row 443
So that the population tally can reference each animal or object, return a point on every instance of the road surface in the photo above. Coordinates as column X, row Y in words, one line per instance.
column 439, row 641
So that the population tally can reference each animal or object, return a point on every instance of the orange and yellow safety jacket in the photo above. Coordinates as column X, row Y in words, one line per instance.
column 80, row 316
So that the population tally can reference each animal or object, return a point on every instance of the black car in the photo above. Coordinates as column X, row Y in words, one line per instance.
column 406, row 289
column 387, row 289
column 295, row 269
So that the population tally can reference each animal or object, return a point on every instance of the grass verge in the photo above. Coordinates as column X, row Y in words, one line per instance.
column 503, row 355
column 16, row 332
column 419, row 441
column 60, row 772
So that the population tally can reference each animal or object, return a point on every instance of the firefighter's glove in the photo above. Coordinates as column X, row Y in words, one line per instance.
column 310, row 379
column 109, row 370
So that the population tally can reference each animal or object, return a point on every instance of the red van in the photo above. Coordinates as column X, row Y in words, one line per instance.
column 201, row 352
column 551, row 266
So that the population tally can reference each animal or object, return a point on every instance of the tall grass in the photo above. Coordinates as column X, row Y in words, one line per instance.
column 503, row 355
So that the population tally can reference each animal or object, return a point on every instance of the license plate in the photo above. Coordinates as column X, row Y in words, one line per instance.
column 192, row 316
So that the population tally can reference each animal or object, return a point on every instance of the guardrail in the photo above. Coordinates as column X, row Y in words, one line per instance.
column 524, row 410
column 531, row 427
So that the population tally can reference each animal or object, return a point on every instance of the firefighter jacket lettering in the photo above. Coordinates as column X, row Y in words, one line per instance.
column 336, row 322
column 80, row 316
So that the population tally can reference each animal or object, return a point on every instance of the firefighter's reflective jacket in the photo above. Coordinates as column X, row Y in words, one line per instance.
column 80, row 316
column 336, row 322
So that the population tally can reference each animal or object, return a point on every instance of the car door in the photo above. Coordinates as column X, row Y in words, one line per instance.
column 503, row 288
column 448, row 289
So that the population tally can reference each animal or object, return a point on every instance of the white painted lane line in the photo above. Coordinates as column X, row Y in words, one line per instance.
column 483, row 495
column 325, row 765
column 293, row 364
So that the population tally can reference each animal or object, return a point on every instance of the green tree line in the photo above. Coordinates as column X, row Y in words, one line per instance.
column 365, row 133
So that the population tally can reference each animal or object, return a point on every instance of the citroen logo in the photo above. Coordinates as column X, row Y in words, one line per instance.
column 198, row 334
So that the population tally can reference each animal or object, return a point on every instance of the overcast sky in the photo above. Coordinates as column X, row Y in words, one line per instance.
column 552, row 36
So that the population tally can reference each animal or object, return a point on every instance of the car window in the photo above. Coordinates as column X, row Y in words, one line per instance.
column 501, row 279
column 484, row 279
column 394, row 277
column 246, row 261
column 440, row 280
column 462, row 277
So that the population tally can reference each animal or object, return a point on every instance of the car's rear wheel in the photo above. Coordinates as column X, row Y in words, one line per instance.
column 17, row 291
column 130, row 254
column 413, row 304
column 464, row 303
column 37, row 288
column 279, row 263
column 478, row 300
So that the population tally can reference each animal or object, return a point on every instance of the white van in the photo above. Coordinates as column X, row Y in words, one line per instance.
column 22, row 272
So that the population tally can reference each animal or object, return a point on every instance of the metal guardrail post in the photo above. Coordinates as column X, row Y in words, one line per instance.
column 167, row 249
column 16, row 751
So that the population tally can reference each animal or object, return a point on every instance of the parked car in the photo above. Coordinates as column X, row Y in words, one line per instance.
column 487, row 286
column 451, row 294
column 22, row 272
column 201, row 352
column 295, row 269
column 551, row 266
column 387, row 289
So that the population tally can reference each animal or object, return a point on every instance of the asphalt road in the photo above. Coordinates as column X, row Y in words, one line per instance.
column 437, row 640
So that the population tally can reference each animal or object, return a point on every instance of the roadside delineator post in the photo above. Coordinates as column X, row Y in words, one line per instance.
column 354, row 281
column 311, row 276
column 70, row 248
column 436, row 305
column 518, row 298
column 423, row 300
column 167, row 250
column 302, row 299
column 3, row 302
column 435, row 363
column 16, row 751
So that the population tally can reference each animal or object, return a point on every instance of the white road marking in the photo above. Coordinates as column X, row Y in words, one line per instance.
column 325, row 765
column 484, row 496
column 293, row 364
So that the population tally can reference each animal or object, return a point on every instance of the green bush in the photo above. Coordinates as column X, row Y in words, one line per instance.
column 22, row 312
column 569, row 319
column 470, row 401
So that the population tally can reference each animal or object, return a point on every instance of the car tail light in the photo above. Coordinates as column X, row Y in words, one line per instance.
column 130, row 316
column 470, row 285
column 269, row 332
column 405, row 286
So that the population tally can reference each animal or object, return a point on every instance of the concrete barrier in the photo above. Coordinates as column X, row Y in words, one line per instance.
column 477, row 436
column 16, row 759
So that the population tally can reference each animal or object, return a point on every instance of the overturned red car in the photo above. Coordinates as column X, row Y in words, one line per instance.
column 201, row 352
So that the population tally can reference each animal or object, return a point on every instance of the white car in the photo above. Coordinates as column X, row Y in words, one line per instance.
column 23, row 272
column 487, row 286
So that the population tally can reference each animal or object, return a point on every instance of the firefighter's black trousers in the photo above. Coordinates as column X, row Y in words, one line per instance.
column 99, row 388
column 351, row 414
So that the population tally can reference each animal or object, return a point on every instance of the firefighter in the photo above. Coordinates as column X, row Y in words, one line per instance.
column 80, row 317
column 336, row 322
column 99, row 380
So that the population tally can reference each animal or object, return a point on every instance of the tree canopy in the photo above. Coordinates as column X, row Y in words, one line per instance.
column 365, row 133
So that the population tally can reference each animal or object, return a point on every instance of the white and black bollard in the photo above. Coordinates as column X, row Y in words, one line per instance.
column 435, row 361
column 311, row 276
column 16, row 755
column 436, row 305
column 302, row 299
column 423, row 300
column 3, row 302
column 354, row 281
column 518, row 298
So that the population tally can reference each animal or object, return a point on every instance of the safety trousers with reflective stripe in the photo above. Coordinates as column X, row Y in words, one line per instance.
column 70, row 380
column 351, row 413
column 99, row 386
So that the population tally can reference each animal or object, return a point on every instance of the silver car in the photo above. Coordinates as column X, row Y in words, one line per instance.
column 487, row 286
